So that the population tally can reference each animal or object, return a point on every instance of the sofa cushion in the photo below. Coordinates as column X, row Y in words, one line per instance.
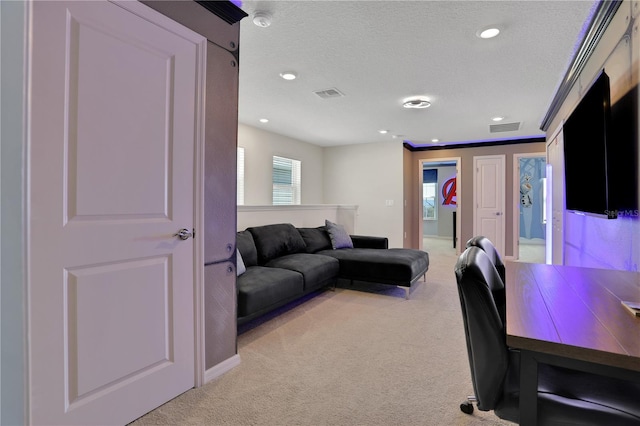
column 277, row 240
column 261, row 287
column 317, row 270
column 247, row 248
column 392, row 266
column 315, row 239
column 339, row 236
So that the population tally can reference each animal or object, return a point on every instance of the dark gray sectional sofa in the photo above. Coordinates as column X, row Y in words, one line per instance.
column 283, row 263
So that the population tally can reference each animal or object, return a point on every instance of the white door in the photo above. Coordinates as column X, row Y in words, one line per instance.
column 113, row 127
column 488, row 195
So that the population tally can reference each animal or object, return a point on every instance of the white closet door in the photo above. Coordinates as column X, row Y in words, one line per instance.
column 113, row 127
column 489, row 189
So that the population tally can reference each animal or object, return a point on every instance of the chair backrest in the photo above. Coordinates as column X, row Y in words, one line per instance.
column 484, row 329
column 485, row 244
column 499, row 295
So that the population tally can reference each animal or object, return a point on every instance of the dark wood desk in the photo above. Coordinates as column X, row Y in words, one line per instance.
column 571, row 317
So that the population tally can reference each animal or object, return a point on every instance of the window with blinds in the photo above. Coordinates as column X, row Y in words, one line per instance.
column 286, row 181
column 240, row 184
column 429, row 193
column 429, row 207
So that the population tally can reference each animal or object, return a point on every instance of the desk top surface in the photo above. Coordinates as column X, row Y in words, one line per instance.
column 574, row 312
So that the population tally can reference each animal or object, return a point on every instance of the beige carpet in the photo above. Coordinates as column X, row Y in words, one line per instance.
column 363, row 356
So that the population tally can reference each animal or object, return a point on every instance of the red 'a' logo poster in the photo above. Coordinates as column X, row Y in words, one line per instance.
column 449, row 192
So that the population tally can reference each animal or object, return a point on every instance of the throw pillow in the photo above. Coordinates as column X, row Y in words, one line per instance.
column 339, row 236
column 240, row 268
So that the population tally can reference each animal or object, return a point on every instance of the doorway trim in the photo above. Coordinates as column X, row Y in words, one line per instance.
column 516, row 197
column 421, row 163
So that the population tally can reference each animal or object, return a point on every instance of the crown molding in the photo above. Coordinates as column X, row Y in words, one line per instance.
column 483, row 144
column 600, row 20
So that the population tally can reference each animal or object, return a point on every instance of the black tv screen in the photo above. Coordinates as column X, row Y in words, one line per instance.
column 600, row 153
column 586, row 133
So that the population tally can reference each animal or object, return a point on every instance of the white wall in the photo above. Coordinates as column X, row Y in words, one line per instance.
column 260, row 146
column 300, row 216
column 12, row 335
column 363, row 175
column 369, row 176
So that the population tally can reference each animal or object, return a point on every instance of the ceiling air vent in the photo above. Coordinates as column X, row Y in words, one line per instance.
column 506, row 127
column 329, row 93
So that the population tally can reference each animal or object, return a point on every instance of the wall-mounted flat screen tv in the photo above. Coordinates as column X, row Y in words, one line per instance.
column 600, row 153
column 592, row 147
column 585, row 150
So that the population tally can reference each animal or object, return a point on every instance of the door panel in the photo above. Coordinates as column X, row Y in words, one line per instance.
column 111, row 159
column 489, row 186
column 143, row 76
column 92, row 292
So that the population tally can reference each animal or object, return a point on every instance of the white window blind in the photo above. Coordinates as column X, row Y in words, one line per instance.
column 240, row 184
column 286, row 181
column 429, row 207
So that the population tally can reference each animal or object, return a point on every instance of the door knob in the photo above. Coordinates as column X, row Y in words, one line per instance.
column 183, row 234
column 498, row 213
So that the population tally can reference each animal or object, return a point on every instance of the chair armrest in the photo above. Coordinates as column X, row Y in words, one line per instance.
column 363, row 241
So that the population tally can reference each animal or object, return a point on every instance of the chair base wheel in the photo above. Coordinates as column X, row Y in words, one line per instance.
column 466, row 407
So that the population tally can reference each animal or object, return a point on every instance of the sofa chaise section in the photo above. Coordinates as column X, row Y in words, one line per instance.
column 370, row 259
column 395, row 266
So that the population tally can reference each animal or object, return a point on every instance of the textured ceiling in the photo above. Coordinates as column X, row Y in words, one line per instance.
column 378, row 53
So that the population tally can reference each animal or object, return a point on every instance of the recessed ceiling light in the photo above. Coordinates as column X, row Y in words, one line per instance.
column 488, row 32
column 383, row 132
column 416, row 103
column 498, row 118
column 398, row 136
column 264, row 120
column 435, row 140
column 288, row 75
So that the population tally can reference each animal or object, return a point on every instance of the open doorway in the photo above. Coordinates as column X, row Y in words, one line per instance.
column 439, row 222
column 530, row 219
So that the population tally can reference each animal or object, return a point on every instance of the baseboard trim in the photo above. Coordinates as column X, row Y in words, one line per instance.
column 219, row 369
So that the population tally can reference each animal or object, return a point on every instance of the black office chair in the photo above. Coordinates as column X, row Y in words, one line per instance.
column 485, row 244
column 564, row 396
